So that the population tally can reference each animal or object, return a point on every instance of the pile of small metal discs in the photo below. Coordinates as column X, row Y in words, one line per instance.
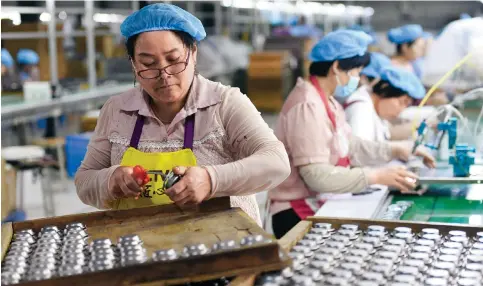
column 376, row 256
column 54, row 252
column 202, row 249
column 395, row 211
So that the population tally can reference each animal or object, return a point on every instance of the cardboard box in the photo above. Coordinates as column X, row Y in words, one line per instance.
column 9, row 189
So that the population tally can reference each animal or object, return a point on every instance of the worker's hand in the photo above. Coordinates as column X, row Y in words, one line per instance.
column 193, row 188
column 428, row 159
column 123, row 184
column 395, row 177
column 403, row 152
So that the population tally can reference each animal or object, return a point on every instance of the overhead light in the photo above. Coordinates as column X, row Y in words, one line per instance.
column 63, row 15
column 45, row 17
column 108, row 18
column 13, row 16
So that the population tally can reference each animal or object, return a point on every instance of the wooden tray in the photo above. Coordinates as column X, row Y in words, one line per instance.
column 164, row 227
column 296, row 233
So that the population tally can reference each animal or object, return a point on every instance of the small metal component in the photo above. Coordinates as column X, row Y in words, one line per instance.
column 69, row 270
column 330, row 251
column 375, row 241
column 165, row 255
column 9, row 278
column 364, row 246
column 26, row 232
column 309, row 243
column 453, row 233
column 339, row 281
column 478, row 245
column 388, row 255
column 477, row 252
column 452, row 244
column 407, row 237
column 352, row 235
column 224, row 245
column 324, row 266
column 339, row 272
column 419, row 264
column 438, row 273
column 287, row 272
column 314, row 273
column 434, row 281
column 423, row 256
column 474, row 267
column 402, row 229
column 325, row 258
column 434, row 237
column 383, row 269
column 355, row 268
column 470, row 274
column 297, row 256
column 306, row 251
column 422, row 249
column 340, row 238
column 51, row 235
column 430, row 231
column 320, row 231
column 396, row 241
column 37, row 274
column 130, row 239
column 367, row 283
column 49, row 228
column 28, row 239
column 302, row 280
column 354, row 259
column 379, row 228
column 392, row 248
column 449, row 258
column 102, row 241
column 404, row 278
column 326, row 226
column 467, row 282
column 460, row 239
column 335, row 244
column 132, row 260
column 373, row 276
column 195, row 250
column 351, row 227
column 450, row 251
column 409, row 270
column 251, row 239
column 359, row 252
column 426, row 242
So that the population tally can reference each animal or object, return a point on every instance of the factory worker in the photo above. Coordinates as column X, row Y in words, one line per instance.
column 9, row 76
column 28, row 61
column 175, row 119
column 368, row 30
column 409, row 45
column 458, row 39
column 418, row 64
column 368, row 111
column 325, row 157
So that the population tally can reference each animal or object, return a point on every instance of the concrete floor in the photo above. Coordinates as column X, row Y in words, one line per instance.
column 67, row 202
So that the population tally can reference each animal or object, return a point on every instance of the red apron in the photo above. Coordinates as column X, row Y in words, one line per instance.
column 302, row 207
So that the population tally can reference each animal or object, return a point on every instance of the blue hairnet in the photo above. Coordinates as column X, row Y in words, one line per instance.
column 7, row 59
column 465, row 16
column 377, row 64
column 405, row 34
column 340, row 44
column 366, row 29
column 27, row 57
column 404, row 80
column 159, row 17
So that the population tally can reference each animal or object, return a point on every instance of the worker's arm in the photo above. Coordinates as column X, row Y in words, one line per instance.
column 262, row 160
column 91, row 180
column 369, row 153
column 401, row 131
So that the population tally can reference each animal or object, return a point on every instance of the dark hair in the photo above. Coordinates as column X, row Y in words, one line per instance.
column 384, row 89
column 400, row 46
column 186, row 38
column 322, row 68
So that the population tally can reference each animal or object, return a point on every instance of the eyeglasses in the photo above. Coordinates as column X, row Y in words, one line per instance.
column 173, row 69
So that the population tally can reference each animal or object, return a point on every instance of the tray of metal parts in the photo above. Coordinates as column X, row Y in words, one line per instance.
column 329, row 251
column 138, row 246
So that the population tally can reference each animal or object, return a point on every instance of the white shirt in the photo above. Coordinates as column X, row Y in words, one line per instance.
column 363, row 118
column 457, row 40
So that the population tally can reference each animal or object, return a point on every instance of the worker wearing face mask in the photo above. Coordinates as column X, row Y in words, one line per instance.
column 28, row 61
column 325, row 156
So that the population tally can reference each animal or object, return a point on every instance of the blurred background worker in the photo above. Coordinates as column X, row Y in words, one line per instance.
column 318, row 140
column 369, row 115
column 409, row 45
column 28, row 61
column 303, row 29
column 457, row 40
column 9, row 76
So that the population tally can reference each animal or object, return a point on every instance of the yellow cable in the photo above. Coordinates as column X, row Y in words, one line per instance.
column 433, row 89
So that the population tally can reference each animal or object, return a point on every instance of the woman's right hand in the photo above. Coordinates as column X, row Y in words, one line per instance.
column 122, row 183
column 396, row 177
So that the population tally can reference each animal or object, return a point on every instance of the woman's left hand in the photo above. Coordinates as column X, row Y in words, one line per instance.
column 404, row 152
column 193, row 188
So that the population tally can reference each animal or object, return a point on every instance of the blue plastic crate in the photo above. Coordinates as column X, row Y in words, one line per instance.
column 75, row 151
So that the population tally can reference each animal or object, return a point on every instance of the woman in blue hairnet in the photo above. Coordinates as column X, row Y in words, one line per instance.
column 410, row 44
column 9, row 76
column 175, row 119
column 28, row 61
column 324, row 154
